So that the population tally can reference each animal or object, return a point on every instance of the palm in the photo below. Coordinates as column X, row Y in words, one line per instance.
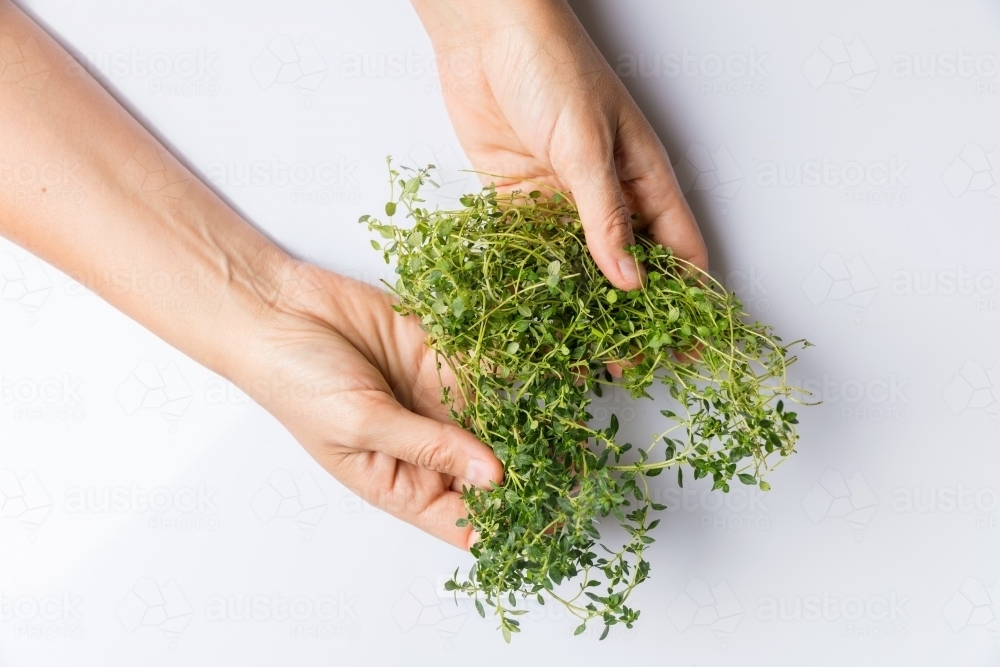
column 532, row 109
column 354, row 358
column 507, row 144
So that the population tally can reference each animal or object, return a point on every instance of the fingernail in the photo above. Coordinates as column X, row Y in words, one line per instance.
column 632, row 271
column 478, row 473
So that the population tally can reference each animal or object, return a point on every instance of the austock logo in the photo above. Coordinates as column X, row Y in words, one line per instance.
column 23, row 64
column 847, row 281
column 149, row 605
column 838, row 62
column 151, row 173
column 48, row 183
column 979, row 287
column 944, row 65
column 979, row 502
column 24, row 281
column 974, row 605
column 750, row 286
column 284, row 497
column 860, row 616
column 714, row 608
column 451, row 172
column 876, row 399
column 148, row 388
column 874, row 182
column 181, row 508
column 974, row 170
column 389, row 65
column 428, row 608
column 284, row 61
column 219, row 391
column 324, row 182
column 24, row 499
column 980, row 68
column 51, row 399
column 733, row 74
column 974, row 388
column 424, row 606
column 185, row 74
column 743, row 508
column 714, row 173
column 307, row 617
column 944, row 282
column 838, row 497
column 47, row 617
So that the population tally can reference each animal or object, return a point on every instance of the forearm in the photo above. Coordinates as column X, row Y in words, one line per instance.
column 84, row 186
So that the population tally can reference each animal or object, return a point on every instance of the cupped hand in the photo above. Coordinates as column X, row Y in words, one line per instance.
column 532, row 99
column 355, row 384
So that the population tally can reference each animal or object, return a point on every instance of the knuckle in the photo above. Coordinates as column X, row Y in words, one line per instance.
column 436, row 455
column 364, row 417
column 700, row 259
column 397, row 504
column 617, row 223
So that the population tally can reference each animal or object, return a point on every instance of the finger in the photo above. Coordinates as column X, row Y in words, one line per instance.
column 616, row 368
column 591, row 177
column 440, row 519
column 415, row 495
column 383, row 425
column 473, row 538
column 651, row 189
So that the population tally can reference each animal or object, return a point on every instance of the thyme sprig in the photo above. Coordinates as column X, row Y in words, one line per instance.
column 512, row 301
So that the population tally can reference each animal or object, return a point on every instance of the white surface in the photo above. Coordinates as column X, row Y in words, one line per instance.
column 832, row 567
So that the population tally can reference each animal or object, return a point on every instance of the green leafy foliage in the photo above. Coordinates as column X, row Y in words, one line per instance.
column 512, row 301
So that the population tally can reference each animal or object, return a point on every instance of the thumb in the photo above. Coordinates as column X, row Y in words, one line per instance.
column 383, row 425
column 607, row 223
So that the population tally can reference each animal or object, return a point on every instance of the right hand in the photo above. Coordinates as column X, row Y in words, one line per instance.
column 354, row 382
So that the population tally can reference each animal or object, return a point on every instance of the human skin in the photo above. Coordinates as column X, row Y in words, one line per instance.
column 351, row 380
column 533, row 100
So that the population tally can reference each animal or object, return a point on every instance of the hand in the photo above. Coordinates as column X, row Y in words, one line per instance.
column 358, row 388
column 532, row 99
column 327, row 356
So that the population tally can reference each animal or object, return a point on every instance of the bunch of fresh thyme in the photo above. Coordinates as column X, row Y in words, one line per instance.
column 512, row 301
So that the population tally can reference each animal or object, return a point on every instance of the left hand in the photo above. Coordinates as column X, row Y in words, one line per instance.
column 532, row 99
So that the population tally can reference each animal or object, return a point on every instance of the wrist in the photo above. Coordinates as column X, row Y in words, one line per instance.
column 285, row 359
column 451, row 23
column 247, row 295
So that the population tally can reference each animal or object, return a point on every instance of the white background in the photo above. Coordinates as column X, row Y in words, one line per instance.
column 878, row 544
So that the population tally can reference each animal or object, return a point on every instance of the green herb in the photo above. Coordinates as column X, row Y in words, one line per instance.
column 512, row 301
